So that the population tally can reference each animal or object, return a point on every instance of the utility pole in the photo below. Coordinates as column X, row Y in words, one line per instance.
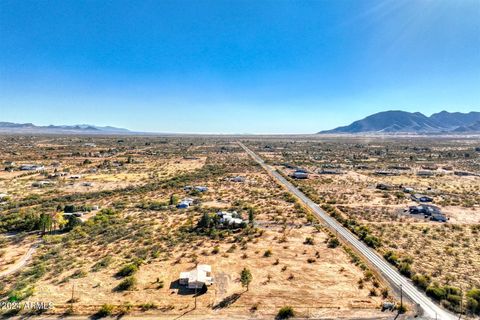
column 73, row 295
column 196, row 264
column 401, row 298
column 461, row 303
column 195, row 295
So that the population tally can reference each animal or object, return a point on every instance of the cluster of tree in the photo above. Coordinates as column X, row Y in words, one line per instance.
column 403, row 264
column 29, row 220
column 70, row 208
column 211, row 221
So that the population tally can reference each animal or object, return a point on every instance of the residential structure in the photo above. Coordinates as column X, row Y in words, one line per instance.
column 425, row 173
column 426, row 210
column 330, row 171
column 197, row 278
column 421, row 198
column 230, row 218
column 300, row 174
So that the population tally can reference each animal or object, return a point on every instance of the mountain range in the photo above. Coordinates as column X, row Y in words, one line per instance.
column 10, row 127
column 392, row 122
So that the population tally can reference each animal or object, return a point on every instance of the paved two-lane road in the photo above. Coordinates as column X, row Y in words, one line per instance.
column 430, row 308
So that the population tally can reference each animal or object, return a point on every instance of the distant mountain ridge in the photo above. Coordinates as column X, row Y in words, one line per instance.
column 10, row 127
column 413, row 122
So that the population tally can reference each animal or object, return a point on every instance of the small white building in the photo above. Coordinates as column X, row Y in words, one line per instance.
column 229, row 218
column 198, row 277
column 31, row 167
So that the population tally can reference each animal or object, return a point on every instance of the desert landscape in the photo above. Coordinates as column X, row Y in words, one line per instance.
column 375, row 189
column 118, row 245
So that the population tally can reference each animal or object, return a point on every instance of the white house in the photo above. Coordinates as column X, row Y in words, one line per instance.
column 229, row 218
column 198, row 277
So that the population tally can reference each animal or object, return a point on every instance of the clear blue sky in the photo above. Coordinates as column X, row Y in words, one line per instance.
column 231, row 66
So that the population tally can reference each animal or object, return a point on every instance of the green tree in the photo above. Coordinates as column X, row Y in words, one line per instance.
column 173, row 200
column 72, row 222
column 245, row 278
column 251, row 216
column 45, row 222
column 204, row 222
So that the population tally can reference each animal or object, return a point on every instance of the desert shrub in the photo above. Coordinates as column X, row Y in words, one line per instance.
column 473, row 301
column 103, row 263
column 436, row 292
column 405, row 269
column 309, row 240
column 333, row 242
column 285, row 313
column 372, row 241
column 126, row 284
column 79, row 274
column 385, row 293
column 391, row 257
column 267, row 253
column 421, row 281
column 127, row 270
column 148, row 306
column 105, row 311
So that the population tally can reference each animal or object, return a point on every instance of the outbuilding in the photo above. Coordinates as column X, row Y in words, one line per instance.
column 300, row 175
